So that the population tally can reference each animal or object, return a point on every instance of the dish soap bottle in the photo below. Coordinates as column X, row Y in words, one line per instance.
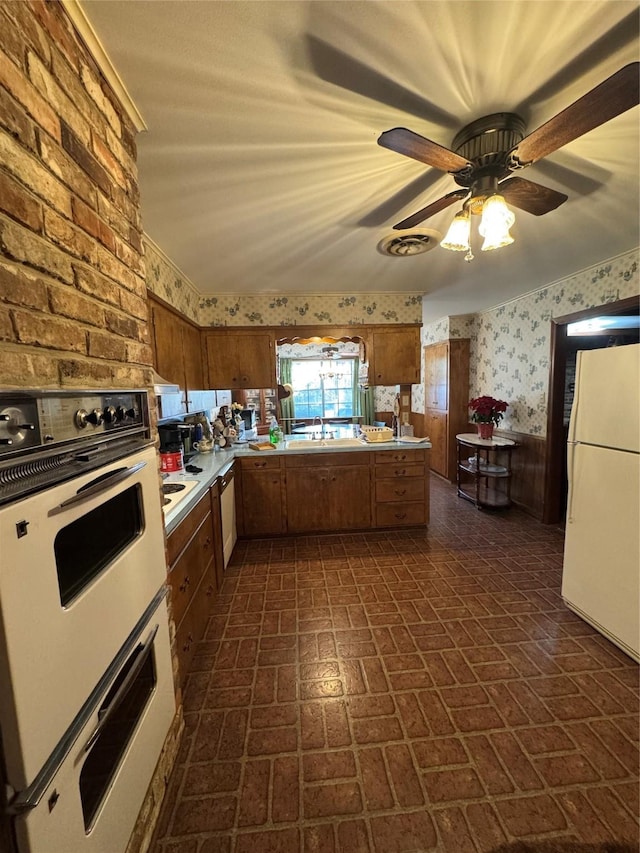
column 275, row 433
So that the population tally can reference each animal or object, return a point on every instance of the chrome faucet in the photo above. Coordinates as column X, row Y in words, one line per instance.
column 313, row 423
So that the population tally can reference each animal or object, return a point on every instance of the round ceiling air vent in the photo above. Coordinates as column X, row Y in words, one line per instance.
column 403, row 245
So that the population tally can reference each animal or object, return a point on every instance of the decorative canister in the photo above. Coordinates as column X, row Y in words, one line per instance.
column 171, row 460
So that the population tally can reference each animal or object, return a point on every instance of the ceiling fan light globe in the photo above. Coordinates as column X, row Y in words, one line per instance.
column 495, row 224
column 457, row 237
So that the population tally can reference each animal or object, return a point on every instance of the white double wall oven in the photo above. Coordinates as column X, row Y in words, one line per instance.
column 84, row 638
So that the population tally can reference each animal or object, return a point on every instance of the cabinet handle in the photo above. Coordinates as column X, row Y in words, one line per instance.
column 400, row 457
column 400, row 472
column 401, row 515
column 185, row 584
column 187, row 643
column 206, row 543
column 259, row 464
column 400, row 492
column 210, row 590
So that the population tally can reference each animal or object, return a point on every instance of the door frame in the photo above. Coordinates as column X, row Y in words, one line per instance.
column 552, row 511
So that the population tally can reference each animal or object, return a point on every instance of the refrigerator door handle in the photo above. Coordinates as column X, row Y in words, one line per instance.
column 571, row 449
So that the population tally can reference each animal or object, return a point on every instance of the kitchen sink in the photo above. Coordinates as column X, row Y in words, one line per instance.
column 309, row 443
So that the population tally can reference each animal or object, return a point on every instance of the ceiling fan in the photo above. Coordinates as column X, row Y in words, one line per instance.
column 484, row 154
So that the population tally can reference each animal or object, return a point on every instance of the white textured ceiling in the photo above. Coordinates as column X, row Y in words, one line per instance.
column 260, row 170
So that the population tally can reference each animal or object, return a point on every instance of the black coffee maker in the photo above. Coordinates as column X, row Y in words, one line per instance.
column 248, row 418
column 176, row 436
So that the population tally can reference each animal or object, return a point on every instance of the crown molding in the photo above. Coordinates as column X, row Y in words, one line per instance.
column 82, row 24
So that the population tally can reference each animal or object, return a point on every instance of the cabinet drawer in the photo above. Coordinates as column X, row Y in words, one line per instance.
column 185, row 530
column 399, row 514
column 261, row 462
column 185, row 576
column 399, row 470
column 387, row 457
column 406, row 489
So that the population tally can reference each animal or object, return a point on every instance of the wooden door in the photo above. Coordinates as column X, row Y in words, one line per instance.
column 349, row 497
column 308, row 507
column 222, row 361
column 396, row 357
column 436, row 376
column 167, row 344
column 436, row 423
column 256, row 359
column 262, row 502
column 192, row 354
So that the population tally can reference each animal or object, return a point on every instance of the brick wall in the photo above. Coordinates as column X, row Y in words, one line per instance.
column 72, row 281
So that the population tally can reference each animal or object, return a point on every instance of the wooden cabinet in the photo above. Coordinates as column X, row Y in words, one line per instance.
column 446, row 395
column 191, row 549
column 177, row 350
column 240, row 359
column 260, row 499
column 394, row 357
column 400, row 495
column 264, row 401
column 329, row 491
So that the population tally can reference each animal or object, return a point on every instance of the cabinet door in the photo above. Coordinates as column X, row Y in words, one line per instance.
column 262, row 502
column 257, row 360
column 349, row 498
column 167, row 344
column 222, row 361
column 240, row 359
column 396, row 357
column 192, row 354
column 307, row 500
column 437, row 428
column 436, row 376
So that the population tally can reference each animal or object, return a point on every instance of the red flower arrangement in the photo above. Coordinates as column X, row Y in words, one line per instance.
column 487, row 410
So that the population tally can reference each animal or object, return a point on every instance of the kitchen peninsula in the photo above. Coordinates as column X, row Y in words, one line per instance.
column 304, row 486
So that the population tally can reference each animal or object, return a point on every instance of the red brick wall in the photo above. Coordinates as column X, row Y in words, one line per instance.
column 72, row 289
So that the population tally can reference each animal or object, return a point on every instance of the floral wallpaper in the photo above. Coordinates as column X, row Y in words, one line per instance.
column 166, row 281
column 270, row 310
column 510, row 344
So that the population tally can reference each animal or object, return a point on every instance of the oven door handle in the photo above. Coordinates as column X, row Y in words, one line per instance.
column 100, row 484
column 105, row 714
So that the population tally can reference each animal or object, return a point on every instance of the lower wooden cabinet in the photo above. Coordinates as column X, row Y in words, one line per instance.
column 191, row 549
column 315, row 493
column 328, row 492
column 260, row 501
column 400, row 488
column 437, row 428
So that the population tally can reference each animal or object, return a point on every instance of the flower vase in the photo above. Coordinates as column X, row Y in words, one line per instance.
column 485, row 430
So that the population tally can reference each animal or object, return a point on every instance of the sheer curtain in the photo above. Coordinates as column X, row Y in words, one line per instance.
column 286, row 405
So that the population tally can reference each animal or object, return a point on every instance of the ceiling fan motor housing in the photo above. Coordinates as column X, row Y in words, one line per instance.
column 486, row 143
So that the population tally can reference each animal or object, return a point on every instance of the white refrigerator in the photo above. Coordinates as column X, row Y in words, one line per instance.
column 601, row 569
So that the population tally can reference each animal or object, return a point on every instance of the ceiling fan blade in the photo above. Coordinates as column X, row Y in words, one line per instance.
column 430, row 210
column 404, row 141
column 614, row 96
column 534, row 198
column 341, row 69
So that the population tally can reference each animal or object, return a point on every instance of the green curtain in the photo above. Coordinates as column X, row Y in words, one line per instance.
column 286, row 405
column 362, row 400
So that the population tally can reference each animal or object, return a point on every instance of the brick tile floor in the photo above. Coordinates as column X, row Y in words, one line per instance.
column 405, row 691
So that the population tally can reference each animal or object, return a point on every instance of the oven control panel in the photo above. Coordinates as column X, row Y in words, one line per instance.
column 30, row 420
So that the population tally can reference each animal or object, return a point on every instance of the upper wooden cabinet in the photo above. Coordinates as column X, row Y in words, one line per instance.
column 446, row 395
column 395, row 356
column 177, row 348
column 240, row 359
